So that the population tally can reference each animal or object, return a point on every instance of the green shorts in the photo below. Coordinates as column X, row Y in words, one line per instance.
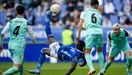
column 94, row 39
column 114, row 51
column 17, row 52
column 17, row 57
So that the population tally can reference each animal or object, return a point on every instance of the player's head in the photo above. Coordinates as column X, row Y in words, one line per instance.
column 94, row 2
column 20, row 9
column 80, row 45
column 116, row 28
column 67, row 27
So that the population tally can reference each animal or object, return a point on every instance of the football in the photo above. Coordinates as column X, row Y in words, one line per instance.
column 55, row 8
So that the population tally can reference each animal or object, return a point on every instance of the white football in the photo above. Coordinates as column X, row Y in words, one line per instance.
column 55, row 8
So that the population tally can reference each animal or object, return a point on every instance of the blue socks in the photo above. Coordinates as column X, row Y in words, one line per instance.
column 41, row 60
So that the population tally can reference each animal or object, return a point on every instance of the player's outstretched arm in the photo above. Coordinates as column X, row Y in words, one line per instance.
column 47, row 27
column 108, row 44
column 5, row 30
column 72, row 68
column 80, row 24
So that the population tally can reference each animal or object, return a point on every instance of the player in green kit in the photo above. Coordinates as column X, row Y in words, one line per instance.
column 91, row 18
column 116, row 42
column 18, row 28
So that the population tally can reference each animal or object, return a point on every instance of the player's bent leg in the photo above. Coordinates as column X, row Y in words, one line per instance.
column 107, row 64
column 40, row 63
column 99, row 44
column 17, row 60
column 21, row 70
column 46, row 51
column 84, row 62
column 10, row 71
column 100, row 58
column 129, row 61
column 89, row 61
column 13, row 69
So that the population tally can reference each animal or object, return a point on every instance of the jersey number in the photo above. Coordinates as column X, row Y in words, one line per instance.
column 93, row 18
column 16, row 31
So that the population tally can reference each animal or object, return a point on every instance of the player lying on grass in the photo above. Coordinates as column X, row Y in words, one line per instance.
column 18, row 28
column 116, row 42
column 68, row 53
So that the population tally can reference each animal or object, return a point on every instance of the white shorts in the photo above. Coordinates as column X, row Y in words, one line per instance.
column 54, row 47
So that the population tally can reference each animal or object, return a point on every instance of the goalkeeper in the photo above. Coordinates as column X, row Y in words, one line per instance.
column 117, row 41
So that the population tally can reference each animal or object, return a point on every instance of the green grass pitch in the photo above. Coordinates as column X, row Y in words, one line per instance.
column 61, row 68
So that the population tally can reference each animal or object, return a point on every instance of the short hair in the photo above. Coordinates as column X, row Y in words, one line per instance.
column 20, row 9
column 116, row 25
column 94, row 2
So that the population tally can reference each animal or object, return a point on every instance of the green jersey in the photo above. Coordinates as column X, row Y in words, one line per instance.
column 120, row 40
column 18, row 29
column 119, row 43
column 92, row 21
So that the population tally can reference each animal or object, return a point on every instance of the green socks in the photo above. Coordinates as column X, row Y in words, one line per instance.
column 107, row 65
column 11, row 71
column 129, row 62
column 21, row 71
column 89, row 61
column 101, row 60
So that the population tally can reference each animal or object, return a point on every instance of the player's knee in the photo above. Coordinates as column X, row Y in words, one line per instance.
column 43, row 50
column 110, row 59
column 129, row 54
column 99, row 49
column 18, row 66
column 87, row 51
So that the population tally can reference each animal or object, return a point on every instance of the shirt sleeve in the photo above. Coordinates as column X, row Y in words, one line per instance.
column 109, row 37
column 82, row 15
column 6, row 28
column 108, row 43
column 47, row 26
column 4, row 31
column 126, row 33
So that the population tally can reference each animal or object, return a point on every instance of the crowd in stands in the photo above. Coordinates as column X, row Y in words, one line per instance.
column 114, row 11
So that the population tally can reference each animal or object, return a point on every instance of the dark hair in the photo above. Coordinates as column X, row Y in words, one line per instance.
column 67, row 27
column 94, row 2
column 80, row 45
column 20, row 9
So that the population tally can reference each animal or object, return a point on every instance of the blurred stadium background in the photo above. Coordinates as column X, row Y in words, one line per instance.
column 115, row 11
